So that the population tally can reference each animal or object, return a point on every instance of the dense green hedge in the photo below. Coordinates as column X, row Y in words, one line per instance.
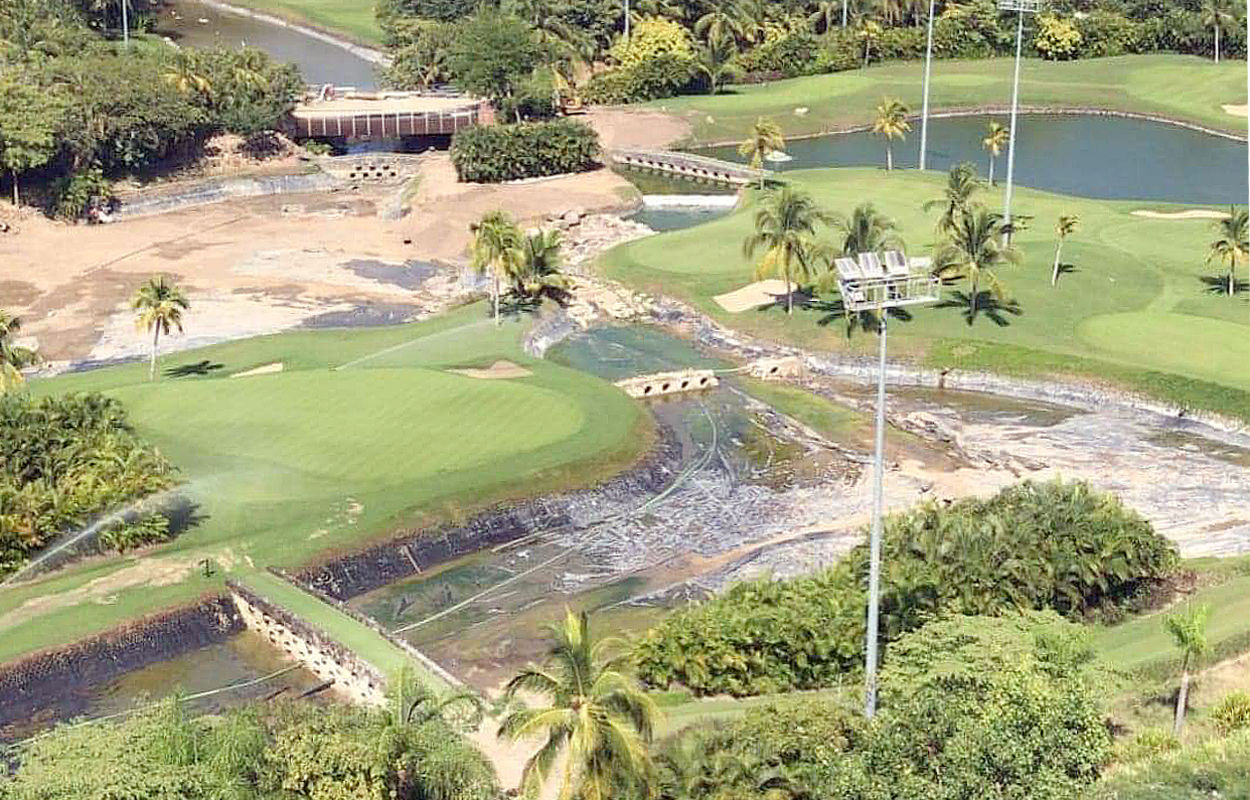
column 1056, row 545
column 494, row 153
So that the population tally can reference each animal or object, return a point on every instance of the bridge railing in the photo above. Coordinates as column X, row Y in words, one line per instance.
column 689, row 164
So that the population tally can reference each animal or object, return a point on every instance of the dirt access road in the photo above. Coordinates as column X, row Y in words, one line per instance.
column 260, row 265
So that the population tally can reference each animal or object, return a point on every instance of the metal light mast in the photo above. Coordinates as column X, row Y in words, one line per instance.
column 1021, row 7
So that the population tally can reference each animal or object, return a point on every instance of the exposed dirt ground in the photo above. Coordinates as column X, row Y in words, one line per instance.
column 260, row 265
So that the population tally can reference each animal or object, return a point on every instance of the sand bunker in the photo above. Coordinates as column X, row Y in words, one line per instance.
column 1237, row 111
column 1193, row 213
column 263, row 369
column 753, row 295
column 500, row 370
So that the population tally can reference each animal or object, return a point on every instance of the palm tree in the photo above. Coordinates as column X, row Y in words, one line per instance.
column 596, row 715
column 822, row 19
column 764, row 139
column 961, row 185
column 498, row 249
column 1218, row 14
column 715, row 59
column 869, row 34
column 160, row 304
column 1232, row 246
column 183, row 75
column 753, row 17
column 973, row 252
column 785, row 226
column 13, row 359
column 1189, row 634
column 724, row 19
column 866, row 230
column 891, row 122
column 1066, row 225
column 996, row 138
column 540, row 274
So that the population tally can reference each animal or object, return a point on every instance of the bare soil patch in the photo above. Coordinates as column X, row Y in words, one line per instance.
column 500, row 370
column 753, row 295
column 263, row 369
column 1236, row 110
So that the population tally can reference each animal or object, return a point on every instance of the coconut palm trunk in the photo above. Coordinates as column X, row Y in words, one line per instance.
column 1182, row 700
column 16, row 201
column 889, row 156
column 156, row 338
column 991, row 169
column 1054, row 273
column 1217, row 43
column 789, row 291
column 495, row 293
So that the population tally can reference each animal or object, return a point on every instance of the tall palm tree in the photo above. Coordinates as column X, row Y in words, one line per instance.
column 715, row 59
column 160, row 304
column 1064, row 227
column 498, row 249
column 13, row 359
column 822, row 18
column 1232, row 246
column 764, row 139
column 869, row 34
column 996, row 138
column 785, row 227
column 1189, row 634
column 891, row 122
column 540, row 274
column 183, row 74
column 596, row 715
column 723, row 19
column 1221, row 15
column 866, row 230
column 974, row 251
column 753, row 16
column 961, row 184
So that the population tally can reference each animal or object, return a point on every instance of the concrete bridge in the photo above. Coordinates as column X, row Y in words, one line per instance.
column 661, row 383
column 384, row 115
column 689, row 165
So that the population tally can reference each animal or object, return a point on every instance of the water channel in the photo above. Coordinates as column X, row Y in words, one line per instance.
column 1113, row 158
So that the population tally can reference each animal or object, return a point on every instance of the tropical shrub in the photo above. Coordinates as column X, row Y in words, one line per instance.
column 127, row 535
column 1102, row 33
column 73, row 194
column 1146, row 743
column 494, row 153
column 1056, row 545
column 788, row 55
column 652, row 38
column 64, row 460
column 663, row 76
column 1056, row 39
column 1232, row 713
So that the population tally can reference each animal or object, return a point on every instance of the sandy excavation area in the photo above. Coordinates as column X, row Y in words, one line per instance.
column 1193, row 213
column 261, row 265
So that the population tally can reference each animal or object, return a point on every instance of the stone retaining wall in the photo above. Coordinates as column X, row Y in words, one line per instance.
column 36, row 681
column 315, row 651
column 413, row 552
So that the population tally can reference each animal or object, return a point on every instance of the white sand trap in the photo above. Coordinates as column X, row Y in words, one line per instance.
column 1237, row 111
column 753, row 295
column 500, row 370
column 1193, row 213
column 263, row 369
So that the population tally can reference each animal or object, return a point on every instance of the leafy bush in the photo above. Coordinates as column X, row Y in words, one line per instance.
column 127, row 535
column 1103, row 33
column 1232, row 713
column 1060, row 546
column 1146, row 743
column 1056, row 39
column 73, row 194
column 494, row 153
column 652, row 38
column 788, row 56
column 63, row 460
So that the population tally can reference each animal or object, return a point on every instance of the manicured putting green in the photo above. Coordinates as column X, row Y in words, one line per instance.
column 362, row 432
column 1210, row 349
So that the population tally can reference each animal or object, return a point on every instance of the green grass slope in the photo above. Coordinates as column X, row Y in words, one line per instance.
column 1134, row 311
column 1185, row 88
column 354, row 20
column 363, row 431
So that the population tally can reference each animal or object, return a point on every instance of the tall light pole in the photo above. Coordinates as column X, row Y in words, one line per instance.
column 844, row 2
column 125, row 25
column 626, row 20
column 1021, row 7
column 867, row 284
column 924, row 111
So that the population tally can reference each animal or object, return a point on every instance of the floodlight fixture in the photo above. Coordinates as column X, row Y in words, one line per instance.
column 878, row 282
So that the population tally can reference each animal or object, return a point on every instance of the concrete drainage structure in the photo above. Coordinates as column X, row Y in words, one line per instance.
column 661, row 383
column 776, row 368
